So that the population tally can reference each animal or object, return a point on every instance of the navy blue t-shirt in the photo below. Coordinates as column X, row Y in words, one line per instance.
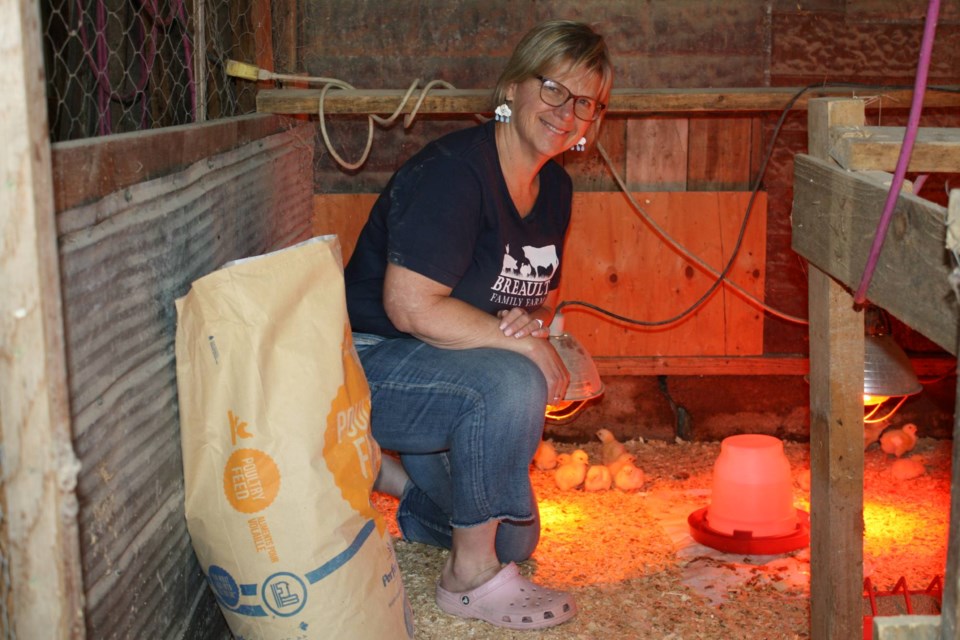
column 447, row 215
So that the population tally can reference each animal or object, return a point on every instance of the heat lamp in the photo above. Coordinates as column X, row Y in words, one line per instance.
column 887, row 372
column 585, row 383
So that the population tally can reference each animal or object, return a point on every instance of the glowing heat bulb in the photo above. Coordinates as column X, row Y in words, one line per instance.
column 869, row 400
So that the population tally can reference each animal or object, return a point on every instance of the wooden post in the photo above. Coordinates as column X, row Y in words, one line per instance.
column 200, row 59
column 38, row 531
column 836, row 460
column 836, row 427
column 951, row 588
column 950, row 604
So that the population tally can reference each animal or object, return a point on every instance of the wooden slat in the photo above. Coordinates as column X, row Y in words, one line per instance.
column 835, row 217
column 836, row 460
column 40, row 544
column 858, row 148
column 720, row 154
column 742, row 366
column 622, row 101
column 263, row 38
column 656, row 154
column 89, row 169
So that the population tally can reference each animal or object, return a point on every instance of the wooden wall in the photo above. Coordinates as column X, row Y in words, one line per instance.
column 695, row 43
column 162, row 209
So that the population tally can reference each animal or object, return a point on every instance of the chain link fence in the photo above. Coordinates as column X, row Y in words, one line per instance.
column 116, row 66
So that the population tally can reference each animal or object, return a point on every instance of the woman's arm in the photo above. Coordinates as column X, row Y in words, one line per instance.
column 423, row 308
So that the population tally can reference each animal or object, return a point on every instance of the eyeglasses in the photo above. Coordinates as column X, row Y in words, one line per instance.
column 556, row 95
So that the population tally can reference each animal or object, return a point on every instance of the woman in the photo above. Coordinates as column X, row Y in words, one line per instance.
column 450, row 292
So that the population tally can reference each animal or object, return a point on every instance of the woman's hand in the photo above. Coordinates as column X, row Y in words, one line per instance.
column 554, row 371
column 519, row 323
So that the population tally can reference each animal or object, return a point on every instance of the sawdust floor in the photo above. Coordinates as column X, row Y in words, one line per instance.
column 636, row 572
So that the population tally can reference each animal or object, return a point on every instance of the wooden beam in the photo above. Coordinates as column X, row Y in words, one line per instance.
column 622, row 101
column 836, row 460
column 932, row 367
column 835, row 217
column 43, row 587
column 935, row 150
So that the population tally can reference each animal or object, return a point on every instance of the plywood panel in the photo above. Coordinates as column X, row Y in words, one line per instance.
column 614, row 260
column 343, row 214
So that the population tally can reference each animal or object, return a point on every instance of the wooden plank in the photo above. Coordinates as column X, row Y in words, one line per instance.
column 740, row 366
column 263, row 38
column 835, row 217
column 836, row 460
column 656, row 154
column 936, row 150
column 622, row 101
column 43, row 585
column 89, row 169
column 720, row 154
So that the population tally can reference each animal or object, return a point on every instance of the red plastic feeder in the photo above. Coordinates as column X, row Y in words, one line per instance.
column 751, row 509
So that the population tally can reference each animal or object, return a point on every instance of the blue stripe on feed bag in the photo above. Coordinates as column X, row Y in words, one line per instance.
column 248, row 589
column 343, row 557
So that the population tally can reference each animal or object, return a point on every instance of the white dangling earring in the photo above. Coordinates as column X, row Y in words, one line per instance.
column 503, row 113
column 580, row 146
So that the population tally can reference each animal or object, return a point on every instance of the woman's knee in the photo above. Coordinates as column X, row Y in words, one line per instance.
column 520, row 383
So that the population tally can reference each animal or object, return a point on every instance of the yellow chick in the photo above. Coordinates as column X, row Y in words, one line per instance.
column 570, row 475
column 907, row 468
column 563, row 458
column 629, row 478
column 611, row 449
column 625, row 458
column 897, row 442
column 580, row 456
column 598, row 478
column 546, row 456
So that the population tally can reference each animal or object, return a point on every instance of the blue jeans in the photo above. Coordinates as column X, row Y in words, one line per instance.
column 466, row 424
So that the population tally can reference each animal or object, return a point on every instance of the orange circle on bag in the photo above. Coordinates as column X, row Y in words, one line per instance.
column 251, row 480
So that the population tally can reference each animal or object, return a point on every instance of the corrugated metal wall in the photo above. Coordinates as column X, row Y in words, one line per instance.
column 125, row 258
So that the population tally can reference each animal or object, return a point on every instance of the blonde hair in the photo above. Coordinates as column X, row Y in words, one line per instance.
column 554, row 43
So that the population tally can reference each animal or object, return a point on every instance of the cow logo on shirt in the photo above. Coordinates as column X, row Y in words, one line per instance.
column 525, row 280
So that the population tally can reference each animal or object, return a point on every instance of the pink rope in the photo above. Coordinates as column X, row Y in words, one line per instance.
column 909, row 136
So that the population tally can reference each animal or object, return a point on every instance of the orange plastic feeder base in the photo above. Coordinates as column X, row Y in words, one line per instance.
column 744, row 542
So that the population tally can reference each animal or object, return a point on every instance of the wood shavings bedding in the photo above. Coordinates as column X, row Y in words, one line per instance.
column 635, row 573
